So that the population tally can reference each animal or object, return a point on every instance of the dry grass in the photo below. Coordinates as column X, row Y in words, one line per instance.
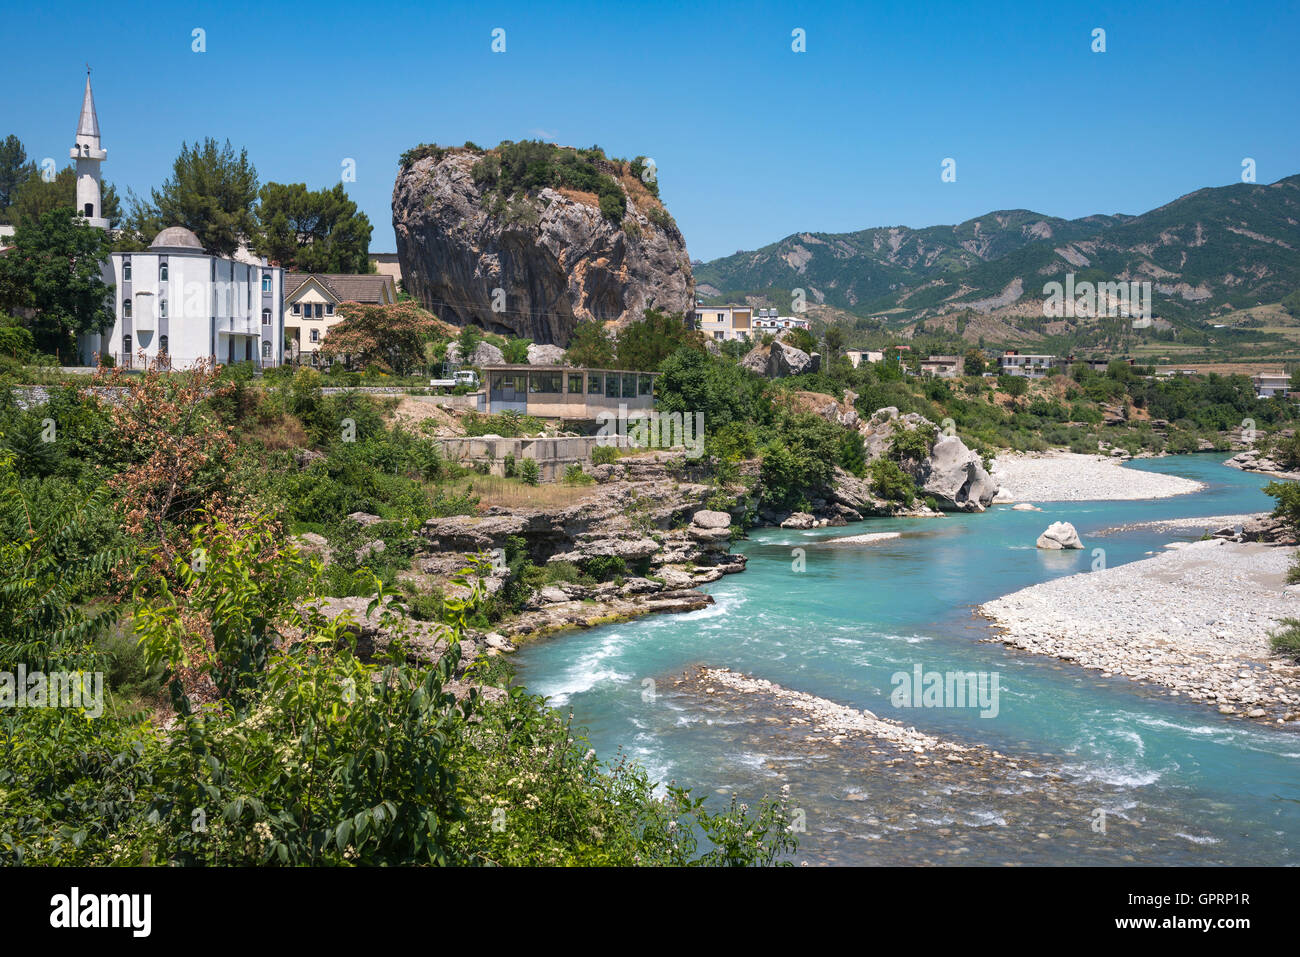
column 578, row 196
column 512, row 493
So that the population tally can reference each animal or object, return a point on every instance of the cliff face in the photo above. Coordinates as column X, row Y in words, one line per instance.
column 552, row 254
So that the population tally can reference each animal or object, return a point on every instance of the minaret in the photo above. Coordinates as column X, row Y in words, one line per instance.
column 88, row 156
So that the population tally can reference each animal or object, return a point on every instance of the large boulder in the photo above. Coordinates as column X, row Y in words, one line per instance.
column 1059, row 535
column 545, row 355
column 780, row 359
column 484, row 354
column 951, row 473
column 553, row 255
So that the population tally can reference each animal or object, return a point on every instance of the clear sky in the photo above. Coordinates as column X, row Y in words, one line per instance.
column 752, row 140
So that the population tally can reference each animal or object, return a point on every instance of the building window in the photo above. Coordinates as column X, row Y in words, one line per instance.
column 162, row 272
column 162, row 308
column 266, row 350
column 90, row 210
column 126, row 345
column 594, row 384
column 126, row 308
column 611, row 385
column 248, row 350
column 315, row 335
column 126, row 270
column 162, row 345
column 329, row 308
column 629, row 385
column 644, row 385
column 547, row 383
column 266, row 283
column 266, row 317
column 575, row 383
column 297, row 309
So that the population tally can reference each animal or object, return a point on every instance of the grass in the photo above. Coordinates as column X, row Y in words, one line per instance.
column 514, row 493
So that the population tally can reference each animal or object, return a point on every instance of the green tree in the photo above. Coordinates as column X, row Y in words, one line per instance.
column 975, row 363
column 320, row 231
column 35, row 197
column 516, row 350
column 390, row 336
column 211, row 192
column 54, row 270
column 589, row 347
column 15, row 169
column 642, row 346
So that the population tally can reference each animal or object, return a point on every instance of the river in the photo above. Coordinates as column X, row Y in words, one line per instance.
column 1098, row 770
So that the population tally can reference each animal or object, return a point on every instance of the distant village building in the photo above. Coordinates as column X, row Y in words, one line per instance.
column 723, row 323
column 387, row 264
column 174, row 304
column 312, row 301
column 768, row 321
column 943, row 367
column 1269, row 384
column 858, row 356
column 1012, row 362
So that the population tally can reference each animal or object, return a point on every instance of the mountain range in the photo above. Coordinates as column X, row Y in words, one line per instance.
column 1206, row 253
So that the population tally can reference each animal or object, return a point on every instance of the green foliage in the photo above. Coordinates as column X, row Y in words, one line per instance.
column 313, row 231
column 529, row 472
column 643, row 346
column 1287, row 496
column 800, row 459
column 853, row 456
column 211, row 192
column 889, row 481
column 516, row 351
column 604, row 455
column 605, row 568
column 1287, row 640
column 589, row 347
column 54, row 269
column 529, row 166
column 575, row 475
column 913, row 444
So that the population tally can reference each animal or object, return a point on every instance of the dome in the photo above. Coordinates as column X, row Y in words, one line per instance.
column 176, row 237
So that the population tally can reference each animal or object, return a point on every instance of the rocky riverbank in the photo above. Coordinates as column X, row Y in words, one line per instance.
column 1195, row 621
column 1070, row 477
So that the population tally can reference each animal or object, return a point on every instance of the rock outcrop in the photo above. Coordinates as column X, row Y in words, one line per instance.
column 780, row 359
column 951, row 473
column 545, row 355
column 555, row 258
column 1059, row 535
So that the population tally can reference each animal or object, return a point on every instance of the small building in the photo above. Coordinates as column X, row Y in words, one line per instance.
column 766, row 320
column 1269, row 384
column 387, row 264
column 567, row 392
column 943, row 367
column 311, row 305
column 1012, row 362
column 858, row 356
column 722, row 323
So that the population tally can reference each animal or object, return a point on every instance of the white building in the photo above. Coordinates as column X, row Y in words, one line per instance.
column 174, row 304
column 1269, row 384
column 768, row 321
column 1031, row 367
column 859, row 356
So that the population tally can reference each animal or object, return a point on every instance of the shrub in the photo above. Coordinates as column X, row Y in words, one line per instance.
column 529, row 472
column 508, row 468
column 1287, row 641
column 604, row 454
column 890, row 482
column 605, row 567
column 574, row 475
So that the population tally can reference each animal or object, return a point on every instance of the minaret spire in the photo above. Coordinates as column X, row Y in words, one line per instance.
column 89, row 124
column 89, row 154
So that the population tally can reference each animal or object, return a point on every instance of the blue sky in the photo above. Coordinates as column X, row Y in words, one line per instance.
column 752, row 140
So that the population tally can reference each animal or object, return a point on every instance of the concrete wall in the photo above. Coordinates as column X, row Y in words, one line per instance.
column 553, row 455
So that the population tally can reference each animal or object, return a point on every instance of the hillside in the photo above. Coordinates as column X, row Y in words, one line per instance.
column 1206, row 253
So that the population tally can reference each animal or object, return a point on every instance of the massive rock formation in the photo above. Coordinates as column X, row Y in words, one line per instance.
column 780, row 359
column 553, row 255
column 953, row 474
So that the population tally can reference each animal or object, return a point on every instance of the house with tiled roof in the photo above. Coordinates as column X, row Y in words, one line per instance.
column 311, row 302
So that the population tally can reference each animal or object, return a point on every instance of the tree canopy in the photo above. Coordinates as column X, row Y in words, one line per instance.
column 313, row 231
column 390, row 336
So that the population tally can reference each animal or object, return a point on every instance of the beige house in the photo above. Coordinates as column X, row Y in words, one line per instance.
column 311, row 302
column 565, row 392
column 858, row 356
column 943, row 367
column 721, row 323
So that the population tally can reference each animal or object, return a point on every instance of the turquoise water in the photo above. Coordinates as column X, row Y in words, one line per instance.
column 1178, row 782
